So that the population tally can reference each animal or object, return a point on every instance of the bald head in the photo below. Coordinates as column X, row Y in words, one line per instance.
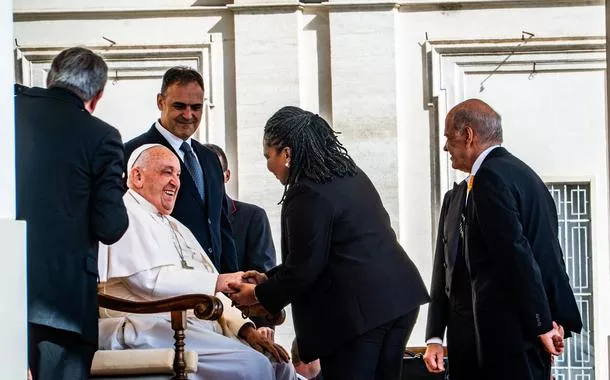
column 478, row 115
column 155, row 175
column 144, row 158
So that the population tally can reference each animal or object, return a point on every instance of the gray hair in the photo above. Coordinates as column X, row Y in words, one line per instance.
column 80, row 71
column 485, row 121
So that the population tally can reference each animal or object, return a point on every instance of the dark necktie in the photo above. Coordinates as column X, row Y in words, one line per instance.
column 192, row 165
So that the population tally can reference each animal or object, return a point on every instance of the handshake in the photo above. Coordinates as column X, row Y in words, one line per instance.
column 239, row 287
column 229, row 283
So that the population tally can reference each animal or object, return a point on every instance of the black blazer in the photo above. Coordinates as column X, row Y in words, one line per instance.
column 208, row 222
column 252, row 234
column 447, row 246
column 518, row 275
column 69, row 190
column 343, row 269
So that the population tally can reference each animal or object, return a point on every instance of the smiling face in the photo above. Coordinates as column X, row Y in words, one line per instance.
column 156, row 177
column 278, row 162
column 181, row 106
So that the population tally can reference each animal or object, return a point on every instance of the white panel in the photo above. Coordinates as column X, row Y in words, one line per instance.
column 13, row 326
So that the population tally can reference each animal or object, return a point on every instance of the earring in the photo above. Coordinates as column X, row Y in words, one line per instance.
column 287, row 164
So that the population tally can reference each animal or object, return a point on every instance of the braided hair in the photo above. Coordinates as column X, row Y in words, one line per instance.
column 317, row 154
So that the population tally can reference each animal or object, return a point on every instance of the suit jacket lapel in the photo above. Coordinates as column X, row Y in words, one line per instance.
column 453, row 220
column 186, row 181
column 232, row 209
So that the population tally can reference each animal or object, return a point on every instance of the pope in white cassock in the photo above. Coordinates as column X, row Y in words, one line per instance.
column 159, row 257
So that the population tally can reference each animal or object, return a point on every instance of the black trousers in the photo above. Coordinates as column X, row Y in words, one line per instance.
column 58, row 354
column 533, row 363
column 461, row 344
column 374, row 355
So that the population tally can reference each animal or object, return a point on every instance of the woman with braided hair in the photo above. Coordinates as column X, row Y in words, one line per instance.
column 355, row 293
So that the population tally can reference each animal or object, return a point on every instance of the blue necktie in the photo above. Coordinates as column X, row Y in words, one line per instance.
column 192, row 165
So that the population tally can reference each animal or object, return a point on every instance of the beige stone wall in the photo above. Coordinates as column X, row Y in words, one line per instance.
column 384, row 74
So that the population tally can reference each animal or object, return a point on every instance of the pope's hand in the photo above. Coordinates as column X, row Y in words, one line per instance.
column 222, row 283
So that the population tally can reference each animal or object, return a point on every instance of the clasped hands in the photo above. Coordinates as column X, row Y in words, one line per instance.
column 239, row 286
column 552, row 341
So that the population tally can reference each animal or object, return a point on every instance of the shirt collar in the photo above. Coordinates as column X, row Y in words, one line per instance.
column 143, row 202
column 480, row 159
column 173, row 140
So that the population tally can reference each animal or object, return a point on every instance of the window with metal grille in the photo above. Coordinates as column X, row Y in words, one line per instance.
column 574, row 214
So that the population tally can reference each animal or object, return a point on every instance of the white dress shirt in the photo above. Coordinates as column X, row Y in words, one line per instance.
column 174, row 141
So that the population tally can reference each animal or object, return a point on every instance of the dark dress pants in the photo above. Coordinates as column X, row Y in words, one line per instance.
column 374, row 355
column 461, row 345
column 533, row 363
column 58, row 354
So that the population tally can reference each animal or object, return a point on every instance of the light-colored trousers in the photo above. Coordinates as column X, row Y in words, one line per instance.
column 220, row 357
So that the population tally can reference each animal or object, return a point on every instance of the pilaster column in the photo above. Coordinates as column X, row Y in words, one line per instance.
column 13, row 320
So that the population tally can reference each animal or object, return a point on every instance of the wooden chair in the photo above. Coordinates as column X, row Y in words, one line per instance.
column 163, row 364
column 155, row 363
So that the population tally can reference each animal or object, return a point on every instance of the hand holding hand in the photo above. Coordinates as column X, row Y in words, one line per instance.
column 434, row 358
column 558, row 341
column 242, row 294
column 261, row 344
column 254, row 277
column 267, row 332
column 222, row 283
column 552, row 342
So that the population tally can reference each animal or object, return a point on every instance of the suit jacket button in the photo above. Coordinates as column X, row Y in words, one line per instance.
column 210, row 250
column 209, row 221
column 447, row 289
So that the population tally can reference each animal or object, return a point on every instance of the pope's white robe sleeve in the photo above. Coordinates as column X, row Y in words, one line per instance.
column 171, row 281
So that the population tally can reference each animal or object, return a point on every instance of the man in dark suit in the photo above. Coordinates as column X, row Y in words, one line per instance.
column 451, row 304
column 69, row 190
column 251, row 229
column 522, row 299
column 201, row 202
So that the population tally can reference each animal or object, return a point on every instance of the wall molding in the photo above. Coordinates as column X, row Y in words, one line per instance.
column 291, row 6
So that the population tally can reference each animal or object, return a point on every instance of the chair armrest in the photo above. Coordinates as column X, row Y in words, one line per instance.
column 205, row 306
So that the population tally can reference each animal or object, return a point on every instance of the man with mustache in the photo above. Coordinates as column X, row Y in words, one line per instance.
column 201, row 203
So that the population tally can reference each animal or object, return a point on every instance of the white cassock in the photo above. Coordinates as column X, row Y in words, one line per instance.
column 159, row 257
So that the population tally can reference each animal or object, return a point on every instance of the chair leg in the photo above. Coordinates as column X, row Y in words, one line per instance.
column 179, row 325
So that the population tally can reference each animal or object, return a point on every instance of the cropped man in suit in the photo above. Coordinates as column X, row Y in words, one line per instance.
column 251, row 229
column 522, row 299
column 451, row 296
column 69, row 190
column 201, row 202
